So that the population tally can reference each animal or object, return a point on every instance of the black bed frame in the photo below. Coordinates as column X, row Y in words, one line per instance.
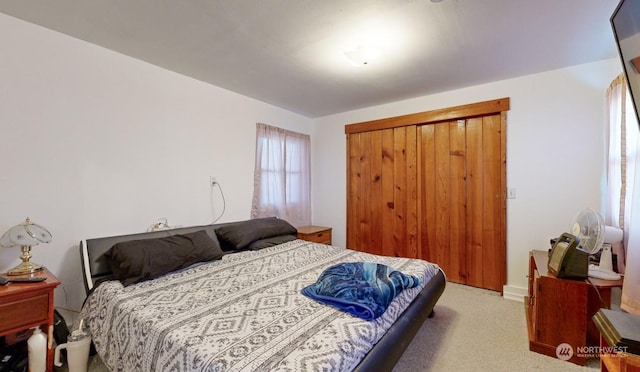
column 382, row 357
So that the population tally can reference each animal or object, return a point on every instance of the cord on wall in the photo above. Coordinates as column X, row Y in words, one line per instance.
column 214, row 182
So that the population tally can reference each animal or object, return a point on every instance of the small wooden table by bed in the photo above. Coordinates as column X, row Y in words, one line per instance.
column 27, row 305
column 318, row 234
column 559, row 311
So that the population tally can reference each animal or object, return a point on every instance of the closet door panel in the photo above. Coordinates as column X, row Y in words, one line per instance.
column 457, row 200
column 383, row 192
column 353, row 190
column 400, row 190
column 441, row 191
column 411, row 211
column 427, row 205
column 405, row 225
column 375, row 181
column 485, row 200
column 364, row 211
column 388, row 187
column 461, row 202
column 493, row 204
column 475, row 199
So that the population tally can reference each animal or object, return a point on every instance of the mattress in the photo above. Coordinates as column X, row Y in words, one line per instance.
column 244, row 312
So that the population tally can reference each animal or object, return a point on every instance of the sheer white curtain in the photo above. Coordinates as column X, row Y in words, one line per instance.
column 282, row 177
column 622, row 185
column 616, row 213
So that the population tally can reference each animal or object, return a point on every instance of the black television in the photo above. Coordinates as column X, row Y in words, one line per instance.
column 625, row 22
column 566, row 260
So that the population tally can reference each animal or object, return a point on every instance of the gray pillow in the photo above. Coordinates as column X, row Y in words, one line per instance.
column 139, row 260
column 270, row 242
column 239, row 235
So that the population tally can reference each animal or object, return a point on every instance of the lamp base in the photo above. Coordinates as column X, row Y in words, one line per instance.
column 25, row 268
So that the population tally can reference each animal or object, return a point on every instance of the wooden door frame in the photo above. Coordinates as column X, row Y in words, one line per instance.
column 434, row 116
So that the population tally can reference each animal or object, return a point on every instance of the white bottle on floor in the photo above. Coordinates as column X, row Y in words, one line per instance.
column 37, row 351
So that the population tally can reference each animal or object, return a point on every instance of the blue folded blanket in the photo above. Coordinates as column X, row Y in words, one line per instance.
column 363, row 289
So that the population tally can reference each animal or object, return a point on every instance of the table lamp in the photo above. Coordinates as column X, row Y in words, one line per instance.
column 25, row 235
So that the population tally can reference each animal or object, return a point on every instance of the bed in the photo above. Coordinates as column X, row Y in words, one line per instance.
column 243, row 310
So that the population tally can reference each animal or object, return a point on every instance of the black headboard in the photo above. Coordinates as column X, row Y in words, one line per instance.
column 95, row 266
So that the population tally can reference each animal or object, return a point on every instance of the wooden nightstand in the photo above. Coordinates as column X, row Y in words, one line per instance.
column 318, row 234
column 559, row 310
column 27, row 305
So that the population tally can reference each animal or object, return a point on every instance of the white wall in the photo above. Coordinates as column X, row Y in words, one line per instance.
column 555, row 154
column 94, row 143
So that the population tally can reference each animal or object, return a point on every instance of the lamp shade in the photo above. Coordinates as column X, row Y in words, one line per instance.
column 25, row 234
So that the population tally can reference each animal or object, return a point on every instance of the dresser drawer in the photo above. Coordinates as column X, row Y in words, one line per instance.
column 20, row 312
column 317, row 234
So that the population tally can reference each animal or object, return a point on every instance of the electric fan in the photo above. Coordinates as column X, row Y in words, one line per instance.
column 593, row 234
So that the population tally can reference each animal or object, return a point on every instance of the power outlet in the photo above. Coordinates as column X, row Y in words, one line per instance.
column 213, row 180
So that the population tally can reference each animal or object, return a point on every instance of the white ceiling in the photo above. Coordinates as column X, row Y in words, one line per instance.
column 290, row 53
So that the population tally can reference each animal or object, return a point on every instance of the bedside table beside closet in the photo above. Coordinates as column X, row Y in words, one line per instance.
column 560, row 310
column 27, row 305
column 318, row 234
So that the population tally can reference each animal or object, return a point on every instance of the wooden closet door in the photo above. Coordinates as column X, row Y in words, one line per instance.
column 382, row 192
column 461, row 199
column 432, row 185
column 486, row 202
column 442, row 201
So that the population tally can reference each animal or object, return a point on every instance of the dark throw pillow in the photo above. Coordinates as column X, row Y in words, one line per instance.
column 239, row 235
column 139, row 260
column 270, row 242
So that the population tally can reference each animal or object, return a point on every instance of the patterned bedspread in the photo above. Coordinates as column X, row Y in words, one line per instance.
column 242, row 313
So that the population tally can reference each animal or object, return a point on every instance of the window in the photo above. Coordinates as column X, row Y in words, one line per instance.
column 282, row 177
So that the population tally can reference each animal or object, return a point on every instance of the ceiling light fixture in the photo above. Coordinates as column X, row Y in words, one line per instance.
column 363, row 54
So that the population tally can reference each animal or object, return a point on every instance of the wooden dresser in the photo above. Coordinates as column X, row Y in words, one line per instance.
column 559, row 311
column 27, row 305
column 318, row 234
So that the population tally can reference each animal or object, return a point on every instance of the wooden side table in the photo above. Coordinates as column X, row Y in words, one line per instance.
column 559, row 311
column 27, row 305
column 318, row 234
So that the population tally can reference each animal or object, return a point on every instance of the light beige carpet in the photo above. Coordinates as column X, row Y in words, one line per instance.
column 477, row 330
